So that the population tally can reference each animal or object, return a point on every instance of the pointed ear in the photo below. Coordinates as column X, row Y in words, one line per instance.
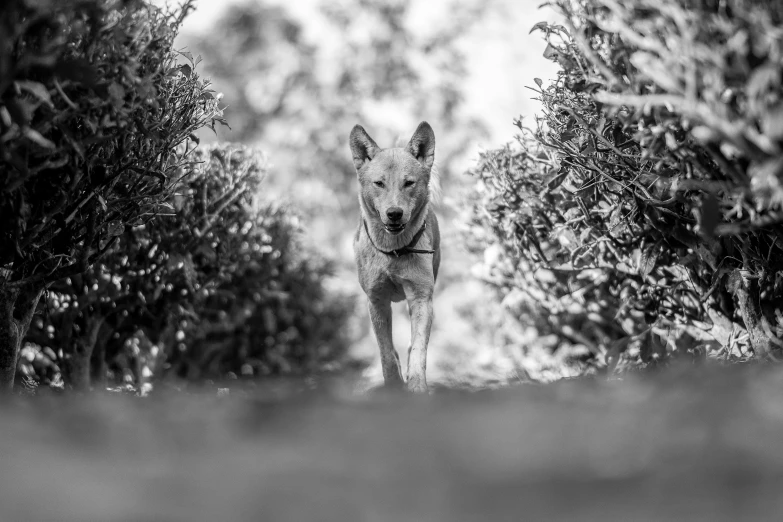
column 363, row 148
column 422, row 145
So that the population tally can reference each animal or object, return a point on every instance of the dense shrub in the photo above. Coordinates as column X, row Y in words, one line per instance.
column 274, row 314
column 265, row 309
column 93, row 108
column 220, row 283
column 643, row 209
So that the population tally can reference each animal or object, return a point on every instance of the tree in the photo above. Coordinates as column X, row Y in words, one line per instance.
column 94, row 110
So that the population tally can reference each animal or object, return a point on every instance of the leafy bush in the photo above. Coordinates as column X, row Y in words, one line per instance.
column 644, row 208
column 274, row 314
column 221, row 283
column 93, row 109
column 261, row 304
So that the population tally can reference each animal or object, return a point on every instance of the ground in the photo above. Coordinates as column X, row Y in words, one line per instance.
column 699, row 443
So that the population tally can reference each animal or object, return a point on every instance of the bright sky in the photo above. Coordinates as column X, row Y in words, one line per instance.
column 502, row 57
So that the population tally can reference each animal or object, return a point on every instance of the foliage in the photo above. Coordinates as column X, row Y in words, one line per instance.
column 94, row 106
column 220, row 284
column 274, row 314
column 260, row 304
column 93, row 110
column 644, row 208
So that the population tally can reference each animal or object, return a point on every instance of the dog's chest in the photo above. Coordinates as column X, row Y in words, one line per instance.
column 407, row 273
column 384, row 276
column 396, row 284
column 389, row 276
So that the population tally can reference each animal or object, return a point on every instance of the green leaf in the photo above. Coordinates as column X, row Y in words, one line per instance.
column 615, row 218
column 77, row 70
column 648, row 258
column 566, row 237
column 38, row 90
column 540, row 26
column 763, row 79
column 21, row 111
column 671, row 141
column 36, row 137
column 585, row 235
column 704, row 134
column 116, row 94
column 556, row 179
column 538, row 82
column 772, row 122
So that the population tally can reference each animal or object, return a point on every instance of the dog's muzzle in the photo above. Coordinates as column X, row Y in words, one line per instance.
column 394, row 228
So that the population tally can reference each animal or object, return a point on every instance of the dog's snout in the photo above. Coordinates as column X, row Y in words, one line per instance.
column 394, row 213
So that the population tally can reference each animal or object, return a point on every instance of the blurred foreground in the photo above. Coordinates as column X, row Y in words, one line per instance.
column 698, row 444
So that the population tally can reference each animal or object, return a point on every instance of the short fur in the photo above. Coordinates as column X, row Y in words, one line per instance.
column 397, row 178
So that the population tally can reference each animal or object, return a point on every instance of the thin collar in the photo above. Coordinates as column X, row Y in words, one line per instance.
column 407, row 249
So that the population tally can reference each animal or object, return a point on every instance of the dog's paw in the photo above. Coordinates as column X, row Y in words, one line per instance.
column 393, row 381
column 417, row 385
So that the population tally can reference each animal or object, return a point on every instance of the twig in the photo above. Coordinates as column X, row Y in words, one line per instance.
column 65, row 97
column 738, row 132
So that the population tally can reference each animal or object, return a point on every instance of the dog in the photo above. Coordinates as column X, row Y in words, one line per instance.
column 397, row 244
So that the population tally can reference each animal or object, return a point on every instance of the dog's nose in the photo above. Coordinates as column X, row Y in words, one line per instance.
column 394, row 213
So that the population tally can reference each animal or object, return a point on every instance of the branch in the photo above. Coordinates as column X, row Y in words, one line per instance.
column 738, row 132
column 81, row 265
column 64, row 96
column 592, row 57
column 54, row 275
column 733, row 229
column 619, row 26
column 238, row 192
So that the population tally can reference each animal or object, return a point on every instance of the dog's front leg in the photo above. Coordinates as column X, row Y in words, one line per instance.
column 381, row 317
column 421, row 312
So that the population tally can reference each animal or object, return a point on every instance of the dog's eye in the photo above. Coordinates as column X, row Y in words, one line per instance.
column 409, row 183
column 379, row 184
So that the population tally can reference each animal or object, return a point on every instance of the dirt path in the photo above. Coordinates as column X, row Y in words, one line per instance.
column 695, row 446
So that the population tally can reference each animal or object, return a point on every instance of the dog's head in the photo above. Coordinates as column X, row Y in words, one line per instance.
column 394, row 182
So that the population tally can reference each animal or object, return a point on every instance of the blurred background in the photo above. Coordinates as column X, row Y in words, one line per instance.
column 296, row 77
